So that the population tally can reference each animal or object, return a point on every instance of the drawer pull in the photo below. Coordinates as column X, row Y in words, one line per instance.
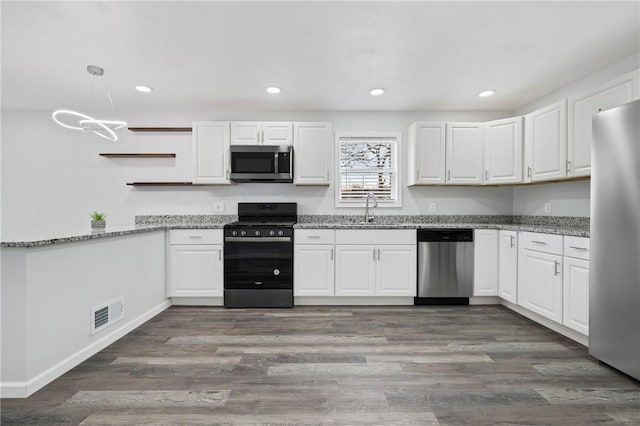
column 195, row 236
column 579, row 248
column 539, row 242
column 313, row 237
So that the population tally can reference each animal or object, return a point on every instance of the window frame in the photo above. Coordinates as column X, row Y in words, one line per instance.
column 396, row 166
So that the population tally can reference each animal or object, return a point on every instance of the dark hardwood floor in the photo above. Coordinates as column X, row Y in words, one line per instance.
column 336, row 365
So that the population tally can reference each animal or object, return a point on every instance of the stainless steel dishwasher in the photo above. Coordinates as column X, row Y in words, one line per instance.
column 445, row 266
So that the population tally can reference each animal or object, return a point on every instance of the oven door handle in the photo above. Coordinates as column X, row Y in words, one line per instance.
column 258, row 239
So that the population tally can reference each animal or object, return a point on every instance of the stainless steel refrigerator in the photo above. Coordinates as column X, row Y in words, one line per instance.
column 614, row 296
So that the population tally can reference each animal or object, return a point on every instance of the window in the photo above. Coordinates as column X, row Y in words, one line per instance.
column 367, row 164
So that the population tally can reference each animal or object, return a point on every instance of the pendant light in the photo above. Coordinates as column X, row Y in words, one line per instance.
column 77, row 121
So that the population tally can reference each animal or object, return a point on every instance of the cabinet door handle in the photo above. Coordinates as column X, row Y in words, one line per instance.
column 529, row 172
column 220, row 254
column 374, row 255
column 579, row 248
column 331, row 254
column 539, row 242
column 512, row 238
column 556, row 267
column 378, row 254
column 568, row 166
column 486, row 175
column 227, row 174
column 262, row 137
column 449, row 175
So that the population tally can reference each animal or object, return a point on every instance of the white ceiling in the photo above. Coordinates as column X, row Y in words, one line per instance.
column 324, row 55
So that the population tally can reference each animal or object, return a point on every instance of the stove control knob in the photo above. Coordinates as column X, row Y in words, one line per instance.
column 272, row 233
column 280, row 233
column 234, row 233
column 257, row 233
column 243, row 233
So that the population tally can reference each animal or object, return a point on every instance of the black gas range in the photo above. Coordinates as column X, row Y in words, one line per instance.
column 258, row 256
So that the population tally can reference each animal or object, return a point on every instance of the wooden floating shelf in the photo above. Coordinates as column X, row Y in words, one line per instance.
column 137, row 155
column 160, row 129
column 160, row 183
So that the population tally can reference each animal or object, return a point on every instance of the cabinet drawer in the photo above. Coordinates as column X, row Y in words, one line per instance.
column 313, row 236
column 376, row 236
column 546, row 243
column 578, row 247
column 195, row 236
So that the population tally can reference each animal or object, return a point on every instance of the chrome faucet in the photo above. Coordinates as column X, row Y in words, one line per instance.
column 368, row 217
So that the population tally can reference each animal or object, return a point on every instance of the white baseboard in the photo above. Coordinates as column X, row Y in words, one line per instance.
column 558, row 328
column 25, row 389
column 350, row 300
column 197, row 301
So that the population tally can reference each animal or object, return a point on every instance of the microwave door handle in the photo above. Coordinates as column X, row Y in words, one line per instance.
column 275, row 163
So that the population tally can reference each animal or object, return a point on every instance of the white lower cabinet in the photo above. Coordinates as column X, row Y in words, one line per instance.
column 576, row 295
column 195, row 265
column 508, row 265
column 485, row 262
column 576, row 284
column 313, row 263
column 396, row 270
column 540, row 274
column 355, row 270
column 365, row 266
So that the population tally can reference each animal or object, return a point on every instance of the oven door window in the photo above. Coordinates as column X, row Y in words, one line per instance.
column 252, row 162
column 255, row 265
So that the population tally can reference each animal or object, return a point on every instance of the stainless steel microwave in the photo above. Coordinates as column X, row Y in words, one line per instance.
column 261, row 163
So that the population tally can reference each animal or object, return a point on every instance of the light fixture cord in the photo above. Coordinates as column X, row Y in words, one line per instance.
column 104, row 84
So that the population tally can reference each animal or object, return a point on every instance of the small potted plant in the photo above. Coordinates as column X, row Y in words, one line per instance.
column 98, row 222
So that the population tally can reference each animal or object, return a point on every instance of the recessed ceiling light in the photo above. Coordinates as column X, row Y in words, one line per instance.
column 376, row 92
column 144, row 89
column 486, row 93
column 273, row 90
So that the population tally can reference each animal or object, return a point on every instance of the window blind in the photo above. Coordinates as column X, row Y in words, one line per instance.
column 367, row 165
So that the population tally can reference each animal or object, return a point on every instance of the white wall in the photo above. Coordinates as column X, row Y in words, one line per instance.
column 566, row 198
column 53, row 177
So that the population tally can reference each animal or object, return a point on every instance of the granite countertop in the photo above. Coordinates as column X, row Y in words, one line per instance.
column 142, row 224
column 564, row 230
column 563, row 225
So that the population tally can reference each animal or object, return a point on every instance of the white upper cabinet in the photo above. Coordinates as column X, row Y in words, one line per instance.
column 583, row 106
column 545, row 141
column 503, row 151
column 465, row 153
column 210, row 150
column 261, row 133
column 312, row 153
column 426, row 154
